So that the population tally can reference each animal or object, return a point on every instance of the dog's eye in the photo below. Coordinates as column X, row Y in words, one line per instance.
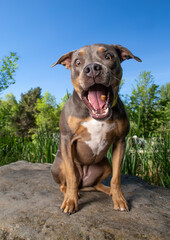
column 77, row 62
column 108, row 56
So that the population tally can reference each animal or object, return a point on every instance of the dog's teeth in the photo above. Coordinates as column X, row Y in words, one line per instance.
column 94, row 111
column 88, row 99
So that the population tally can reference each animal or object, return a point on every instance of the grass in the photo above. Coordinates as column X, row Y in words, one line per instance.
column 41, row 149
column 150, row 162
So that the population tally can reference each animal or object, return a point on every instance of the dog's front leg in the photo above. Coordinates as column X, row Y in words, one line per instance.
column 70, row 203
column 116, row 192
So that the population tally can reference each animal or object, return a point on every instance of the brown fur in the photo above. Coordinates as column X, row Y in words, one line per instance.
column 79, row 164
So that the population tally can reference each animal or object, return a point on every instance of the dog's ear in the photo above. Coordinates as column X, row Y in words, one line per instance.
column 65, row 60
column 124, row 53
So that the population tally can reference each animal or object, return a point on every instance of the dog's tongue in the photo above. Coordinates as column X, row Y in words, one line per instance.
column 94, row 95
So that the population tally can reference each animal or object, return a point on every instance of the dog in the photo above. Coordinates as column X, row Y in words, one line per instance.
column 93, row 119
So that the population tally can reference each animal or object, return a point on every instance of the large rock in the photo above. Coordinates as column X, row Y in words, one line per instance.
column 30, row 209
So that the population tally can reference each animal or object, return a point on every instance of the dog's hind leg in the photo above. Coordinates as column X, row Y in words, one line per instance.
column 95, row 175
column 106, row 173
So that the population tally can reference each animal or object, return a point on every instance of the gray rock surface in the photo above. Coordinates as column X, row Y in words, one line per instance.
column 30, row 209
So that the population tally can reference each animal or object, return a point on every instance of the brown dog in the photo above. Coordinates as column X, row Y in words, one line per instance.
column 93, row 118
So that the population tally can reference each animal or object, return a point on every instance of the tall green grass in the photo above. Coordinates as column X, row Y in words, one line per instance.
column 11, row 148
column 41, row 149
column 150, row 162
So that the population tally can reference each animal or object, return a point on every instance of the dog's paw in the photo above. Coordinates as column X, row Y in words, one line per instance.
column 119, row 201
column 70, row 205
column 121, row 205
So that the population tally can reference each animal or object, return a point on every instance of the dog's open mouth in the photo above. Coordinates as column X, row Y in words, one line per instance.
column 98, row 99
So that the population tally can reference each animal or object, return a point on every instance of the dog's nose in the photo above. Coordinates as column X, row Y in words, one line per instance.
column 92, row 70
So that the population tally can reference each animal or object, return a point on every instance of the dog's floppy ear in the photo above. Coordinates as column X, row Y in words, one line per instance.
column 65, row 60
column 124, row 53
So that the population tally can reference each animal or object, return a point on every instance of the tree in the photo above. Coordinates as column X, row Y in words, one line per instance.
column 8, row 107
column 165, row 109
column 48, row 114
column 24, row 118
column 165, row 92
column 143, row 105
column 8, row 66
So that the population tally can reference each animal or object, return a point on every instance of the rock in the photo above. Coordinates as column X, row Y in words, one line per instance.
column 30, row 209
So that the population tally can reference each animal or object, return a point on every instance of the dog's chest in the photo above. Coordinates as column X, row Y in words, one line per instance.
column 98, row 131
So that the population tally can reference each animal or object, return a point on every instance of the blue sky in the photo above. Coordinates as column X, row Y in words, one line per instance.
column 40, row 31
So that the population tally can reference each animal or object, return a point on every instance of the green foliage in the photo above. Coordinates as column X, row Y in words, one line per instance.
column 26, row 128
column 47, row 113
column 145, row 107
column 8, row 108
column 29, row 129
column 150, row 162
column 42, row 149
column 165, row 92
column 165, row 107
column 24, row 117
column 8, row 66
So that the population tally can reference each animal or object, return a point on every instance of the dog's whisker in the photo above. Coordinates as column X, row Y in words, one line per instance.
column 115, row 77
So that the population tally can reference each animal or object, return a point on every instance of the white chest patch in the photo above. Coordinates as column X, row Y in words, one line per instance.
column 98, row 131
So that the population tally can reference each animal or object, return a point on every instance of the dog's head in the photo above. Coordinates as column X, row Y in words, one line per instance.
column 96, row 74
